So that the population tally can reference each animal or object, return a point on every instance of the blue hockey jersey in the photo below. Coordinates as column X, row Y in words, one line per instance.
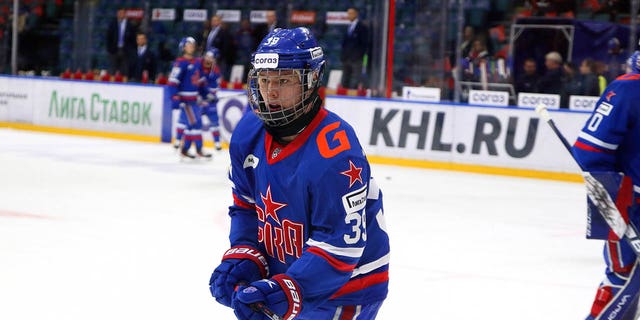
column 313, row 209
column 610, row 140
column 185, row 79
column 211, row 83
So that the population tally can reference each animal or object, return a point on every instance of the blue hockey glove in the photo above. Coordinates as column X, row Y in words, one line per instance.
column 241, row 264
column 281, row 295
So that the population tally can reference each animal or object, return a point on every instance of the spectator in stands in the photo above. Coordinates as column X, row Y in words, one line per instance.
column 468, row 36
column 573, row 84
column 478, row 51
column 264, row 29
column 355, row 45
column 551, row 81
column 245, row 43
column 218, row 36
column 28, row 45
column 528, row 80
column 121, row 42
column 601, row 69
column 590, row 85
column 144, row 64
column 613, row 8
column 616, row 61
column 552, row 8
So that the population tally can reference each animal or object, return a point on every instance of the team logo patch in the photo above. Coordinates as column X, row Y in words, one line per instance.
column 316, row 53
column 250, row 290
column 604, row 108
column 266, row 60
column 250, row 161
column 355, row 201
column 275, row 153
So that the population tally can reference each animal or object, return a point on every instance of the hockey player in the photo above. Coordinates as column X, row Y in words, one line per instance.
column 184, row 82
column 308, row 238
column 209, row 93
column 608, row 146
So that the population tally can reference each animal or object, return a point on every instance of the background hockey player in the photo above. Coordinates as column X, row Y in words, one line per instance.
column 184, row 82
column 607, row 146
column 209, row 93
column 308, row 237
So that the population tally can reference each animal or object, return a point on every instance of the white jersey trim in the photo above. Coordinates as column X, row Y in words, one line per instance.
column 636, row 188
column 338, row 314
column 187, row 93
column 248, row 199
column 610, row 256
column 366, row 268
column 597, row 141
column 345, row 252
column 358, row 310
column 374, row 190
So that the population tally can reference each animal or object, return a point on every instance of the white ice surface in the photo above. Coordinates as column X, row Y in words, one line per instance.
column 96, row 228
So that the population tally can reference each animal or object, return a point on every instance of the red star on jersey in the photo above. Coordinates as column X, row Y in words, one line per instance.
column 354, row 174
column 271, row 207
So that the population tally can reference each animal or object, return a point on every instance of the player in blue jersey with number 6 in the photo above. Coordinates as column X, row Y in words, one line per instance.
column 184, row 82
column 308, row 237
column 608, row 147
column 209, row 93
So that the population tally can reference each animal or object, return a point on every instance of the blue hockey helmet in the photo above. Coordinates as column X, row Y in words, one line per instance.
column 633, row 63
column 213, row 53
column 286, row 53
column 292, row 48
column 184, row 42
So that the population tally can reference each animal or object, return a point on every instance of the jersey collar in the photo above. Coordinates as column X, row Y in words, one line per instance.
column 276, row 151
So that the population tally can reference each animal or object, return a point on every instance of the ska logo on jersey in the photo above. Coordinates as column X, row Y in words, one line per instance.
column 280, row 237
column 354, row 173
column 270, row 207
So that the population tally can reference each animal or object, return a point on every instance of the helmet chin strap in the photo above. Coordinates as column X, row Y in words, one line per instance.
column 296, row 126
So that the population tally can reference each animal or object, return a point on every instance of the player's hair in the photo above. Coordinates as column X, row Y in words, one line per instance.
column 554, row 56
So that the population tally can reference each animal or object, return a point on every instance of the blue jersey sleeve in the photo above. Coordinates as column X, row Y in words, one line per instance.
column 600, row 138
column 244, row 220
column 176, row 74
column 244, row 224
column 607, row 146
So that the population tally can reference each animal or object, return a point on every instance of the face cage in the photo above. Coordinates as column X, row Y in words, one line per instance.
column 270, row 110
